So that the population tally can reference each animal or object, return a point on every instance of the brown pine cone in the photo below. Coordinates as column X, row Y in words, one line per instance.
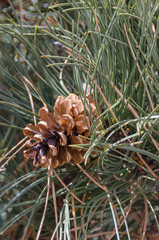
column 55, row 133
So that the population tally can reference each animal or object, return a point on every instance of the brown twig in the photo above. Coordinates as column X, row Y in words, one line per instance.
column 45, row 208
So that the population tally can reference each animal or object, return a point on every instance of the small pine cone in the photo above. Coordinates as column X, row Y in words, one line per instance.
column 54, row 134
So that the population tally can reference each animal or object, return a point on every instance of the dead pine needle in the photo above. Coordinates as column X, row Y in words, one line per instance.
column 67, row 188
column 92, row 179
column 96, row 19
column 74, row 217
column 7, row 161
column 31, row 100
column 45, row 208
column 21, row 10
column 54, row 203
column 145, row 220
column 6, row 155
column 29, row 82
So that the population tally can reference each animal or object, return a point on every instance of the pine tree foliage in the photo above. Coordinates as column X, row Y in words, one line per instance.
column 49, row 50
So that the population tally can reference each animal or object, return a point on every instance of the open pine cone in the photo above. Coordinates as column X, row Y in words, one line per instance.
column 51, row 138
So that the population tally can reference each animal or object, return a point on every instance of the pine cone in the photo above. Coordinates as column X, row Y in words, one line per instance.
column 54, row 134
